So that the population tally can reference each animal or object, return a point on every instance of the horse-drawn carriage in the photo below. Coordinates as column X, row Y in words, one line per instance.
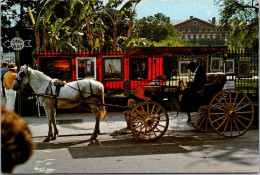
column 229, row 112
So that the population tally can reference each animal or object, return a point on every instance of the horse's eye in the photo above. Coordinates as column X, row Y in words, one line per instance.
column 22, row 74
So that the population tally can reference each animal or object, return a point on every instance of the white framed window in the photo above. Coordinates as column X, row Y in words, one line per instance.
column 220, row 37
column 214, row 36
column 203, row 36
column 86, row 67
column 208, row 36
column 194, row 23
column 197, row 37
column 192, row 37
column 226, row 37
column 186, row 37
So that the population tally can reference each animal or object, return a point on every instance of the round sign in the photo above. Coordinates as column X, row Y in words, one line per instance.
column 17, row 43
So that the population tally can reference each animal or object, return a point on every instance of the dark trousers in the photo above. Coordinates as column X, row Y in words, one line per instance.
column 190, row 100
column 3, row 89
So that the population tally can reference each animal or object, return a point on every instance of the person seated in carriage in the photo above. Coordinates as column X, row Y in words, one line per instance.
column 191, row 94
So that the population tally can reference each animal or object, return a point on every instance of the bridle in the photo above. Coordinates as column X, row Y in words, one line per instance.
column 21, row 76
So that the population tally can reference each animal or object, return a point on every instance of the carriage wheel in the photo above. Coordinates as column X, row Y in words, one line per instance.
column 148, row 120
column 200, row 119
column 231, row 113
column 131, row 102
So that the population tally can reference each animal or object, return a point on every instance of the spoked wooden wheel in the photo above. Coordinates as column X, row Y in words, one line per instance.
column 231, row 113
column 148, row 120
column 131, row 102
column 200, row 119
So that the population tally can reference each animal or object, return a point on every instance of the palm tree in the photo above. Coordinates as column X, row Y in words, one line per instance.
column 114, row 17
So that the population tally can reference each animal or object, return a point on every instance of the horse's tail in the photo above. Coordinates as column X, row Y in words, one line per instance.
column 102, row 102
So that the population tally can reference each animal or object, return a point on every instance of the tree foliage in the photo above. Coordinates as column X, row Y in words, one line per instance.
column 155, row 28
column 83, row 24
column 240, row 17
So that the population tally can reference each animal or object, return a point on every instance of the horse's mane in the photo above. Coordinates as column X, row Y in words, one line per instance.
column 39, row 73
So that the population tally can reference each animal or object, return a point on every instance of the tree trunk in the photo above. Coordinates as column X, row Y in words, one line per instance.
column 114, row 37
column 44, row 39
column 53, row 44
column 90, row 36
column 100, row 39
column 38, row 42
column 81, row 43
column 131, row 24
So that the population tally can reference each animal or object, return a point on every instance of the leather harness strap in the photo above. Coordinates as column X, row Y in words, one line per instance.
column 82, row 97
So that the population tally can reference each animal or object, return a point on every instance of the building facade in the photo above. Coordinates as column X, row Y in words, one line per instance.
column 200, row 31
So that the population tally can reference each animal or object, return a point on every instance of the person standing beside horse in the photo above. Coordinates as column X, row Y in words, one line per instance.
column 8, row 84
column 4, row 70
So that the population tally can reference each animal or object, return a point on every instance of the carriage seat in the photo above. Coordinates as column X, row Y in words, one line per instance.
column 216, row 78
column 215, row 84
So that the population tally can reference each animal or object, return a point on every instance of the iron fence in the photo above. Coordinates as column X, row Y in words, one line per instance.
column 170, row 64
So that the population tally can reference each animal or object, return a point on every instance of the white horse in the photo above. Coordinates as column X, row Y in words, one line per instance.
column 77, row 91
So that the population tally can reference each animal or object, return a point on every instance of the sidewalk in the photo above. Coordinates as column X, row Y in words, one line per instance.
column 83, row 123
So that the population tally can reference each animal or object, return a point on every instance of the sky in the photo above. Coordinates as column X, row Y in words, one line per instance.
column 178, row 9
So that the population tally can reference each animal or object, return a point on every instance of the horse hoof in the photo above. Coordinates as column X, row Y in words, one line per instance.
column 93, row 137
column 46, row 140
column 53, row 138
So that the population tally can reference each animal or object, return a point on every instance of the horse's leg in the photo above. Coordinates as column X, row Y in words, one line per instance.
column 56, row 132
column 96, row 112
column 49, row 117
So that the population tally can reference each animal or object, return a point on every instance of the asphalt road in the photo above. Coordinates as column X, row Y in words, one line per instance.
column 175, row 152
column 180, row 150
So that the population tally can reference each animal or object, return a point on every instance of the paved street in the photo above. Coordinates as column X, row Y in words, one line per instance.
column 175, row 152
column 181, row 150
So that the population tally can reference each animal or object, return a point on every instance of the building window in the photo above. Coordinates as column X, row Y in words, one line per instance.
column 203, row 30
column 180, row 30
column 194, row 23
column 191, row 30
column 214, row 36
column 186, row 30
column 191, row 37
column 203, row 36
column 220, row 37
column 208, row 36
column 197, row 37
column 208, row 30
column 226, row 38
column 198, row 30
column 186, row 37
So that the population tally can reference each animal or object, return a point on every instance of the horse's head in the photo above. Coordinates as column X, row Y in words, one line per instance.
column 22, row 78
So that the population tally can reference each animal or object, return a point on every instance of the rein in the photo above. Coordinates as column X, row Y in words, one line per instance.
column 49, row 94
column 75, row 101
column 56, row 97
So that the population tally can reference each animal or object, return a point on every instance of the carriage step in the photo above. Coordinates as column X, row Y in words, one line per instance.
column 69, row 121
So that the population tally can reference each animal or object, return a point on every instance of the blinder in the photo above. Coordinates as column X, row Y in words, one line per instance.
column 21, row 77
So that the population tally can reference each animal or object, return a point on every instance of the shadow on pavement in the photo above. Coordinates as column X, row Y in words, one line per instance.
column 210, row 145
